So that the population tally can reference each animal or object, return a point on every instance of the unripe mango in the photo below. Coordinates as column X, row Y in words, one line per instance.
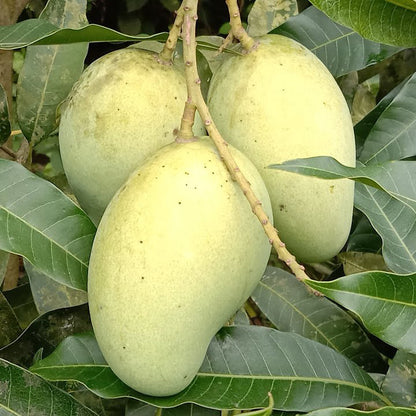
column 124, row 107
column 279, row 102
column 176, row 253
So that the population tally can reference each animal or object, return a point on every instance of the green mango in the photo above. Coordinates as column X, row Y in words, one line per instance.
column 176, row 254
column 279, row 102
column 124, row 107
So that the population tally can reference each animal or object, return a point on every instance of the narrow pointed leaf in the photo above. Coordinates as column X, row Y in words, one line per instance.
column 48, row 294
column 243, row 364
column 5, row 128
column 377, row 20
column 407, row 4
column 392, row 137
column 136, row 408
column 292, row 308
column 43, row 225
column 363, row 128
column 10, row 328
column 397, row 178
column 358, row 262
column 340, row 48
column 394, row 222
column 23, row 393
column 40, row 32
column 385, row 303
column 49, row 72
column 400, row 382
column 21, row 300
column 364, row 237
column 385, row 411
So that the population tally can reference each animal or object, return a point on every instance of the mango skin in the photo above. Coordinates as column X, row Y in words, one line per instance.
column 124, row 107
column 280, row 103
column 176, row 253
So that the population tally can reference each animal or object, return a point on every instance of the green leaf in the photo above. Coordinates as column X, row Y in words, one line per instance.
column 50, row 295
column 49, row 72
column 358, row 262
column 136, row 408
column 400, row 382
column 364, row 237
column 10, row 328
column 385, row 411
column 392, row 177
column 341, row 49
column 407, row 4
column 392, row 135
column 243, row 364
column 5, row 128
column 363, row 128
column 376, row 20
column 21, row 300
column 394, row 222
column 40, row 223
column 292, row 308
column 385, row 303
column 4, row 260
column 265, row 15
column 23, row 393
column 41, row 32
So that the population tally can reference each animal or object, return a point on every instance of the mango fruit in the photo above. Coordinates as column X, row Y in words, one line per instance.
column 124, row 107
column 176, row 254
column 279, row 102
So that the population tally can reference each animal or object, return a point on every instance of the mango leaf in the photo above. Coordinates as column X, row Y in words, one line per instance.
column 384, row 302
column 49, row 72
column 400, row 382
column 392, row 135
column 358, row 262
column 41, row 32
column 5, row 128
column 363, row 128
column 364, row 237
column 394, row 222
column 49, row 295
column 394, row 177
column 340, row 48
column 44, row 334
column 136, row 408
column 40, row 223
column 21, row 300
column 4, row 260
column 376, row 20
column 288, row 304
column 385, row 411
column 23, row 393
column 243, row 364
column 10, row 328
column 265, row 15
column 407, row 4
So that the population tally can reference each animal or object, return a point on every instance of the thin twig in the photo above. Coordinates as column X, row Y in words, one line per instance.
column 166, row 56
column 237, row 29
column 195, row 98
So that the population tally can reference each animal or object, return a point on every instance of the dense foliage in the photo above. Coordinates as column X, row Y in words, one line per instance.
column 351, row 350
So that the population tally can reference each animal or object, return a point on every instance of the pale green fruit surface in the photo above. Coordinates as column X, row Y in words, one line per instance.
column 177, row 252
column 124, row 107
column 280, row 103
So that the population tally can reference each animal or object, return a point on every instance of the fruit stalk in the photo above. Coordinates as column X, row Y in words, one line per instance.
column 237, row 30
column 196, row 99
